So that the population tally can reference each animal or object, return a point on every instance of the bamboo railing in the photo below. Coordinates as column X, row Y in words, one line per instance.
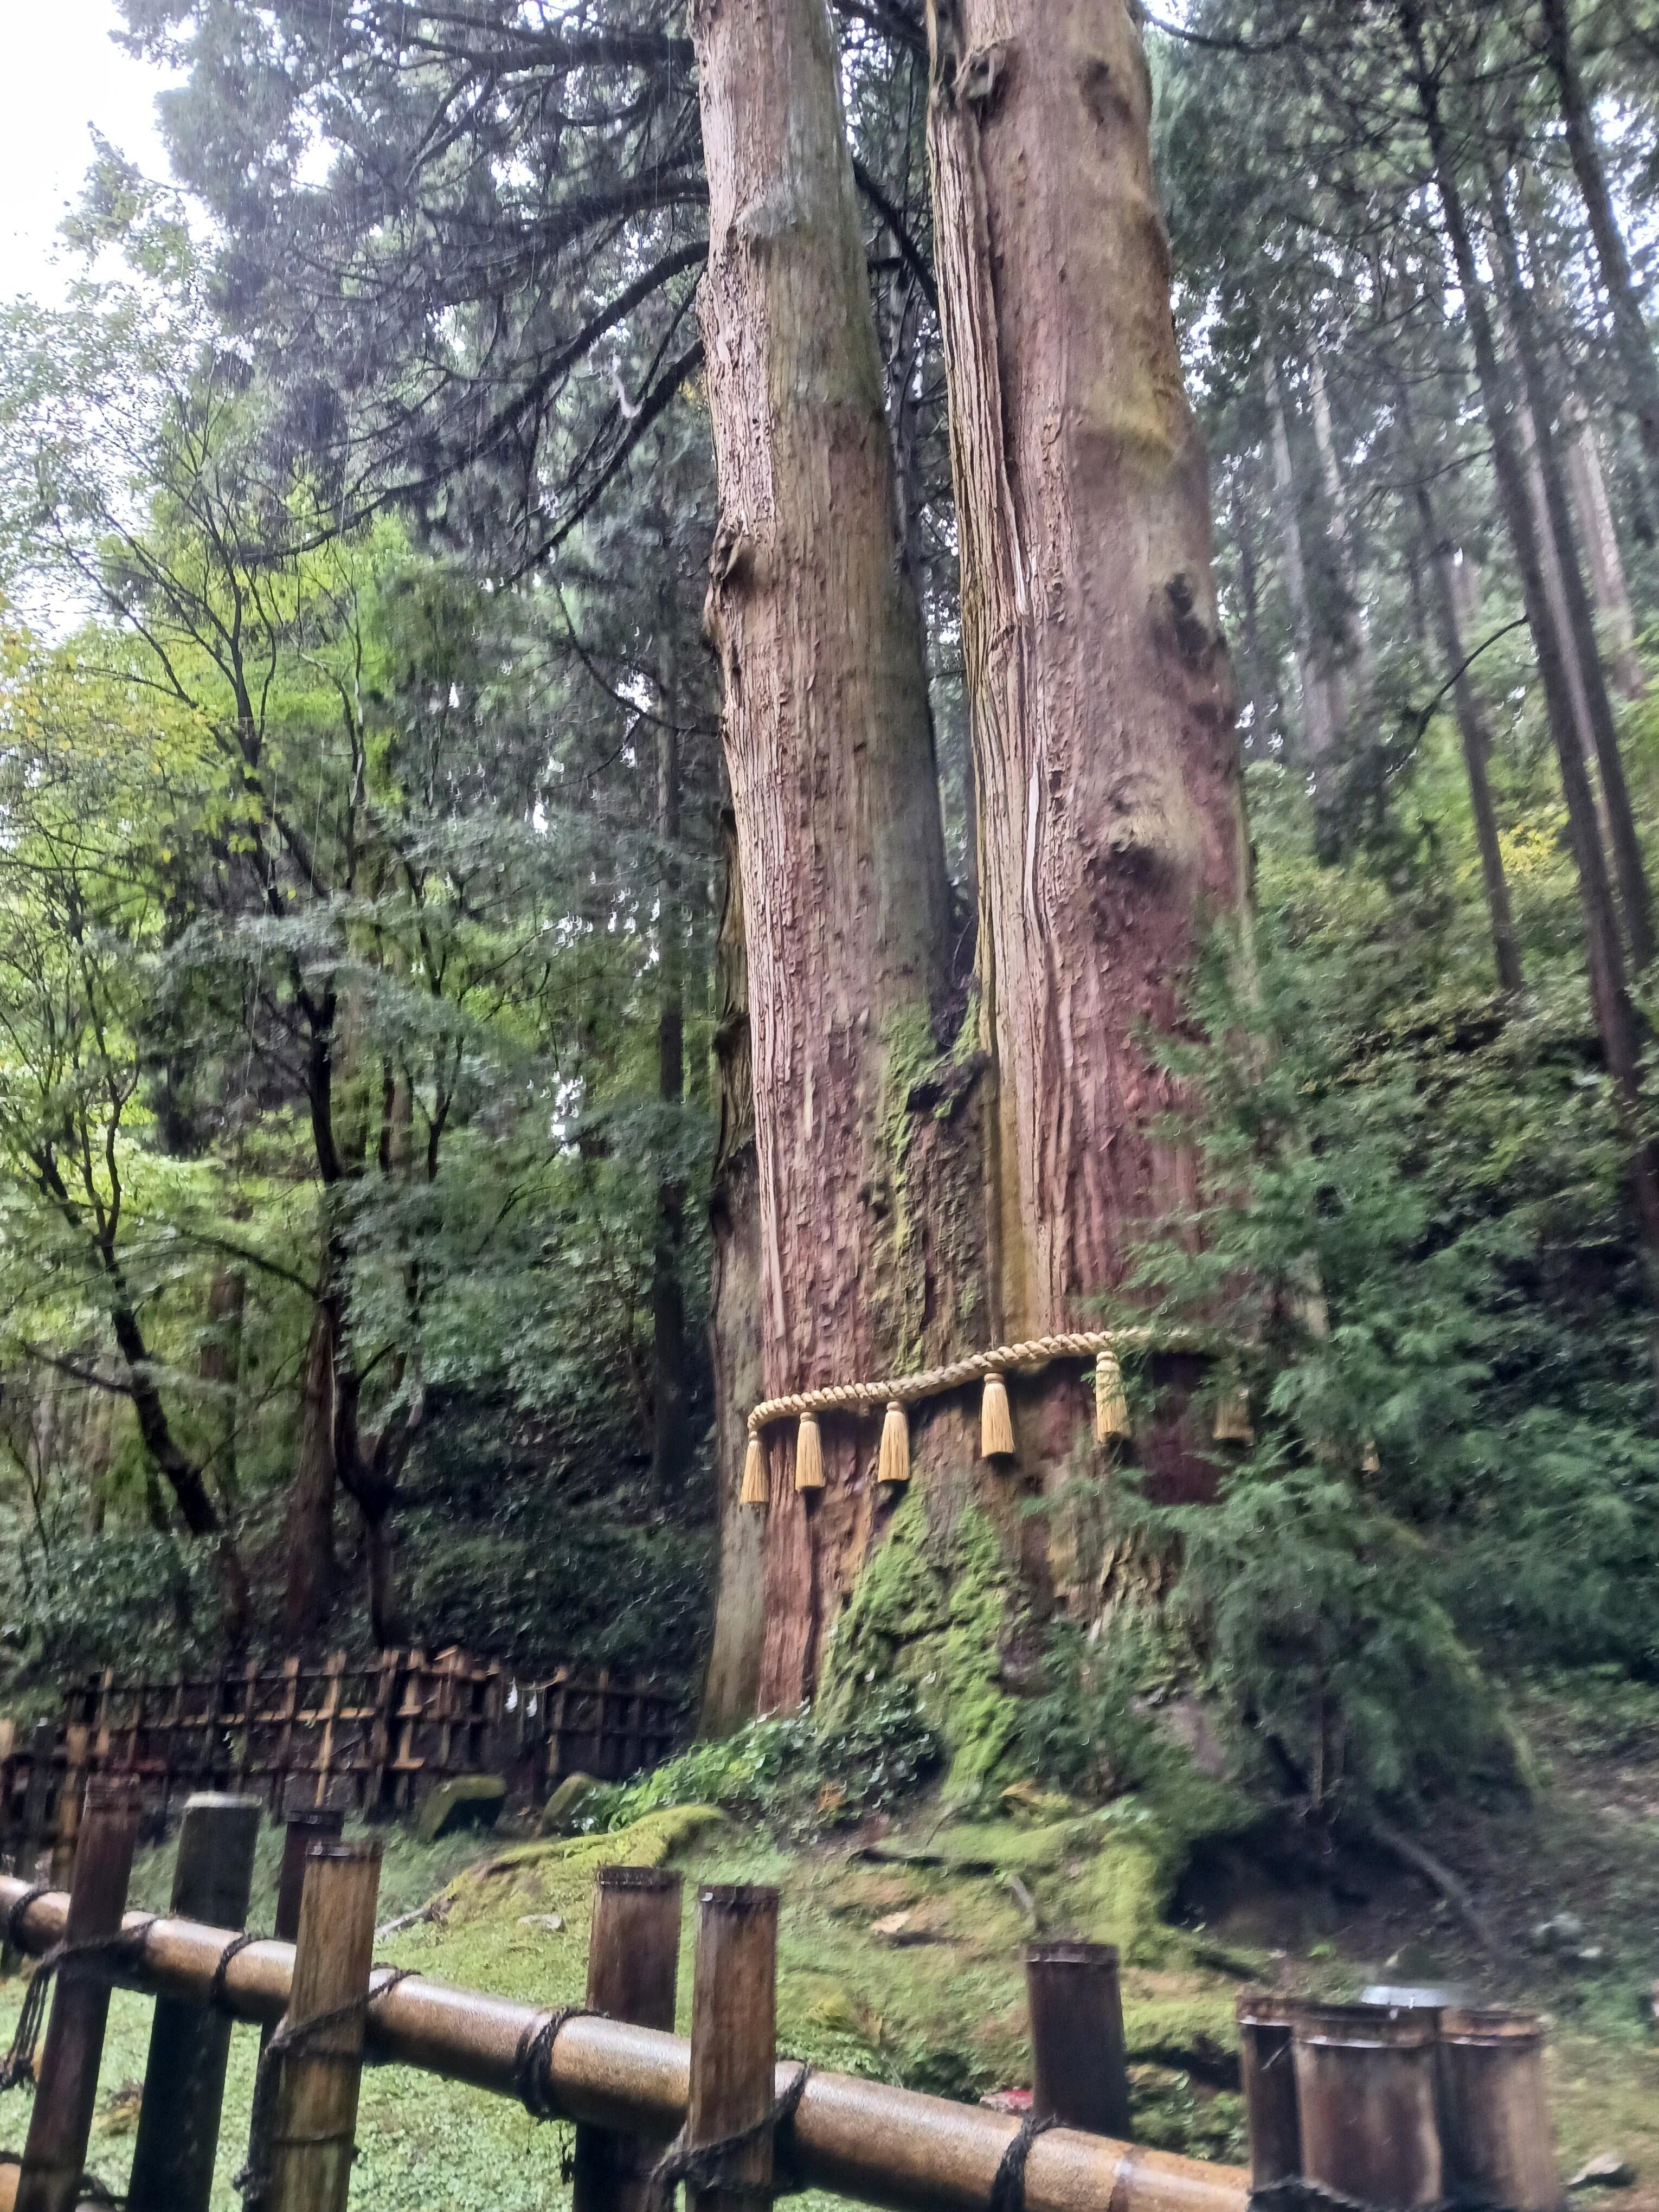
column 860, row 2139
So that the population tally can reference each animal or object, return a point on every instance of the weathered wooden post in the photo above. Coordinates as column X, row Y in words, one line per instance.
column 1267, row 2072
column 60, row 2121
column 66, row 1826
column 1366, row 2081
column 314, row 1824
column 1494, row 2114
column 632, row 1971
column 37, row 1795
column 307, row 2157
column 184, row 2080
column 1081, row 2073
column 733, row 2042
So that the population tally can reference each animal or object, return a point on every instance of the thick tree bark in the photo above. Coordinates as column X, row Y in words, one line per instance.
column 828, row 748
column 1630, row 331
column 309, row 1532
column 1615, row 1016
column 1111, row 815
column 670, row 1433
column 732, row 1690
column 1321, row 715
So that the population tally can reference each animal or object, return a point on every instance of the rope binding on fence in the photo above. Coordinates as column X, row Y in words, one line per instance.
column 532, row 2062
column 1105, row 1347
column 703, row 2165
column 1008, row 2190
column 253, row 2182
column 127, row 1944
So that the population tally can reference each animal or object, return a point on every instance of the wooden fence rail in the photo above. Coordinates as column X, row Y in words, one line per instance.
column 367, row 1736
column 1399, row 2109
column 882, row 2146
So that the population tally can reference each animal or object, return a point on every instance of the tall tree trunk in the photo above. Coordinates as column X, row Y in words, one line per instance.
column 220, row 1367
column 1264, row 722
column 1476, row 744
column 1629, row 869
column 828, row 748
column 309, row 1532
column 1594, row 513
column 1111, row 810
column 670, row 1437
column 1630, row 328
column 1615, row 1016
column 1320, row 719
column 731, row 1689
column 1351, row 626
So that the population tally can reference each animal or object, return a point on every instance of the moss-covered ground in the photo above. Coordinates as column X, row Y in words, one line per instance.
column 900, row 1956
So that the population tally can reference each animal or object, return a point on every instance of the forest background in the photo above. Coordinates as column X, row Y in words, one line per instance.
column 372, row 1082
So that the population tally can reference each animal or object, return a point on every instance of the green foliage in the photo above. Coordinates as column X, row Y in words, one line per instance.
column 797, row 1773
column 1434, row 1291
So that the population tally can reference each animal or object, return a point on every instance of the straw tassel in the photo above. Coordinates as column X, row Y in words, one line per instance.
column 754, row 1472
column 996, row 1426
column 1372, row 1462
column 809, row 1454
column 1111, row 1406
column 1233, row 1425
column 895, row 1446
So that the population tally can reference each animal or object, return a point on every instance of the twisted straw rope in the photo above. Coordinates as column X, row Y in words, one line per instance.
column 936, row 1381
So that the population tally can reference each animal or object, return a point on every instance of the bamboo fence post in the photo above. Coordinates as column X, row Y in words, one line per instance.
column 1081, row 2073
column 555, row 1699
column 633, row 1968
column 312, row 1824
column 1366, row 2094
column 733, row 2040
column 184, row 2080
column 1267, row 2074
column 311, row 2143
column 1494, row 2111
column 67, row 1827
column 60, row 2121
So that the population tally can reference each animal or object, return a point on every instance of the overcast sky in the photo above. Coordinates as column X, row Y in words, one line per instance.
column 60, row 73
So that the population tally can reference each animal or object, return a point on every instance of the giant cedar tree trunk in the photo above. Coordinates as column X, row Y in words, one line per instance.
column 732, row 1688
column 828, row 748
column 1111, row 821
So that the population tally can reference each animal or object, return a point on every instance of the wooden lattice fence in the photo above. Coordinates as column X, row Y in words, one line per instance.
column 369, row 1736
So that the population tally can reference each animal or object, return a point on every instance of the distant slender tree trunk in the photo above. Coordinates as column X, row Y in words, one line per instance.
column 1351, row 624
column 1629, row 869
column 1263, row 722
column 835, row 790
column 220, row 1367
column 670, row 1441
column 1615, row 1016
column 1631, row 332
column 1319, row 720
column 309, row 1534
column 1111, row 813
column 1476, row 744
column 1593, row 512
